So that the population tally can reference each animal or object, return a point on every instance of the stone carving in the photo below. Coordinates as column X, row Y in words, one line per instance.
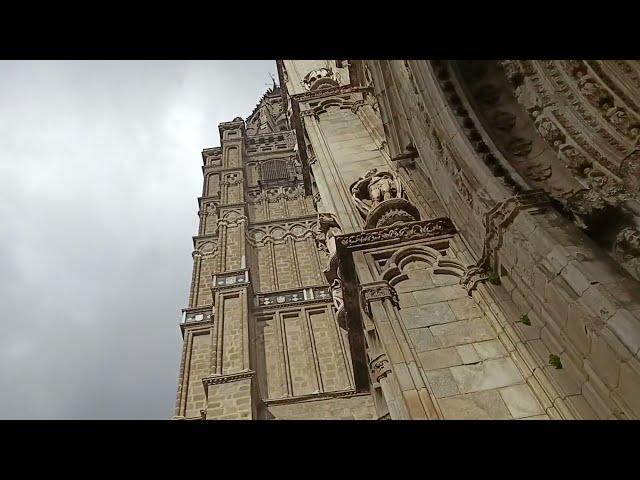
column 328, row 225
column 378, row 291
column 472, row 277
column 375, row 187
column 417, row 230
column 380, row 367
column 338, row 302
column 520, row 146
column 500, row 216
column 232, row 179
column 628, row 243
column 378, row 197
column 549, row 131
column 232, row 377
column 323, row 77
column 461, row 184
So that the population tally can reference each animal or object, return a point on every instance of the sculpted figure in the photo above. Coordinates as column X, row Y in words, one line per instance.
column 628, row 243
column 627, row 249
column 328, row 225
column 374, row 188
column 336, row 293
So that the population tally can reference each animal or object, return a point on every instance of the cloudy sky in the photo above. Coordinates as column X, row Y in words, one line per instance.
column 99, row 175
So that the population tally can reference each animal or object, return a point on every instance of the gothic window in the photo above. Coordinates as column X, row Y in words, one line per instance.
column 274, row 170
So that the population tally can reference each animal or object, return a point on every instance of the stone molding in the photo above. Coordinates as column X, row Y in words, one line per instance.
column 232, row 377
column 404, row 232
column 328, row 92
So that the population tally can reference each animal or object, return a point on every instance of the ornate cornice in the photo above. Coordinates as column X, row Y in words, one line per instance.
column 232, row 377
column 328, row 92
column 403, row 232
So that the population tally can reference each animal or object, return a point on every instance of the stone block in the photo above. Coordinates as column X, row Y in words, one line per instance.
column 475, row 406
column 576, row 279
column 580, row 408
column 437, row 359
column 427, row 315
column 520, row 401
column 604, row 362
column 442, row 383
column 463, row 331
column 488, row 375
column 439, row 294
column 627, row 328
column 537, row 417
column 465, row 308
column 630, row 386
column 490, row 349
column 406, row 300
column 423, row 340
column 468, row 354
column 576, row 329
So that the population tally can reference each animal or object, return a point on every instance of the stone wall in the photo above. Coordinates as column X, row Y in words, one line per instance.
column 347, row 408
column 468, row 370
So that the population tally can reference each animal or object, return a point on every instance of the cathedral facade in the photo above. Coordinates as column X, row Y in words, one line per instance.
column 421, row 240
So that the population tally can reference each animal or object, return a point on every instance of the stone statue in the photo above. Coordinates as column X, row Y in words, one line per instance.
column 627, row 243
column 336, row 293
column 329, row 226
column 627, row 250
column 374, row 188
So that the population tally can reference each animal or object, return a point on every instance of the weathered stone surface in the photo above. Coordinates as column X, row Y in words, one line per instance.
column 488, row 375
column 490, row 349
column 475, row 406
column 463, row 331
column 520, row 401
column 442, row 383
column 443, row 358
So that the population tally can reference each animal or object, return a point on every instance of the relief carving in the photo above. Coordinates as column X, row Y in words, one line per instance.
column 627, row 250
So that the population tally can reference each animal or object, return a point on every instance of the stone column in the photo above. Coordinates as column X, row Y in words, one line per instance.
column 392, row 360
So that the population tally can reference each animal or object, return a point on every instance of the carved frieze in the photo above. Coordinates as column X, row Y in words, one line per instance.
column 297, row 296
column 231, row 279
column 404, row 232
column 232, row 377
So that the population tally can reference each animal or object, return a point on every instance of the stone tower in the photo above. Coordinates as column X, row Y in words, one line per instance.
column 421, row 240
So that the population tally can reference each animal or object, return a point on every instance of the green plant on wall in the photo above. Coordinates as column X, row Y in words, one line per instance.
column 554, row 361
column 524, row 319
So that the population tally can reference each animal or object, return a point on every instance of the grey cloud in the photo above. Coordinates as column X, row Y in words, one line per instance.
column 99, row 174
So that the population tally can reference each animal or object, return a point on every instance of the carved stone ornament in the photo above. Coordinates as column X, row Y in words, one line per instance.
column 378, row 291
column 412, row 231
column 378, row 197
column 338, row 302
column 329, row 228
column 627, row 250
column 380, row 367
column 323, row 77
column 472, row 277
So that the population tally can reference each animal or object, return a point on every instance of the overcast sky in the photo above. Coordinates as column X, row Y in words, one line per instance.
column 99, row 176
